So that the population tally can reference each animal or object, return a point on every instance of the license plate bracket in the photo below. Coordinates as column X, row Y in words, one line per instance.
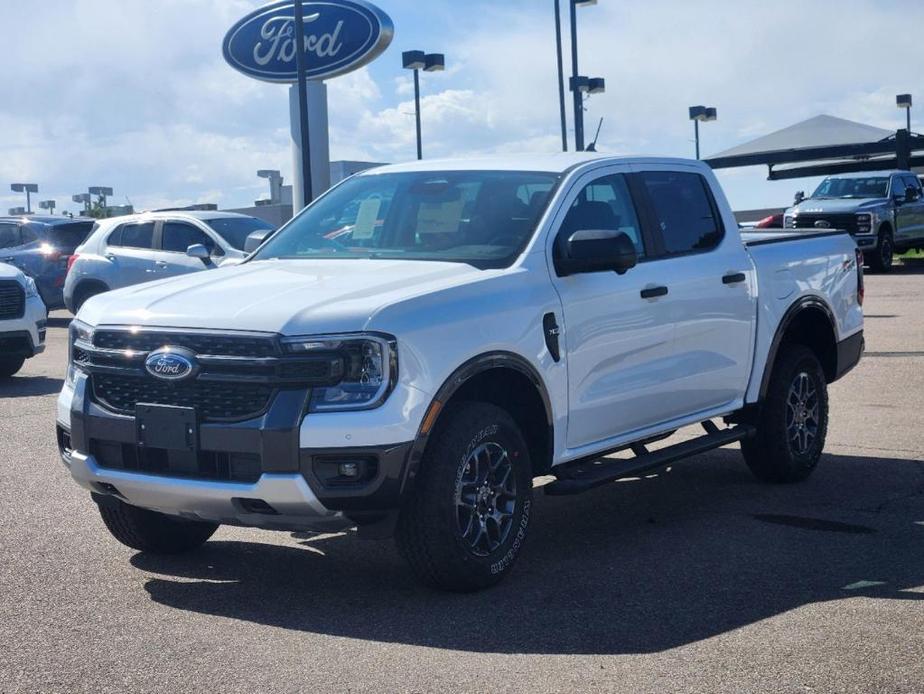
column 167, row 427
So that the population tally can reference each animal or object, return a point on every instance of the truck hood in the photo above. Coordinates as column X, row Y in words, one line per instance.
column 836, row 205
column 282, row 296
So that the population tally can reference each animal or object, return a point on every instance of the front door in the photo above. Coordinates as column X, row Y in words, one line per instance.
column 170, row 259
column 616, row 341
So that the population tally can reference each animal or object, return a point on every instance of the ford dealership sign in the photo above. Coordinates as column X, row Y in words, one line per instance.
column 340, row 36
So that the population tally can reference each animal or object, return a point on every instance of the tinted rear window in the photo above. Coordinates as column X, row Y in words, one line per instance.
column 685, row 213
column 133, row 236
column 68, row 236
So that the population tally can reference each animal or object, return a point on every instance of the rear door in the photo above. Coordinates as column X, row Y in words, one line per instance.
column 130, row 249
column 915, row 208
column 174, row 238
column 712, row 290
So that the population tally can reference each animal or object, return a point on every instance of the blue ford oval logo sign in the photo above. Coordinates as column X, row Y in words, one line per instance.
column 340, row 36
column 171, row 364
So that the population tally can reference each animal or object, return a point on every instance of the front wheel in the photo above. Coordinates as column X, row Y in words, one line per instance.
column 467, row 518
column 880, row 259
column 10, row 366
column 150, row 531
column 792, row 421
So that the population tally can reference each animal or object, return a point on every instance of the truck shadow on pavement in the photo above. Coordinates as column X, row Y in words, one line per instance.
column 634, row 567
column 29, row 386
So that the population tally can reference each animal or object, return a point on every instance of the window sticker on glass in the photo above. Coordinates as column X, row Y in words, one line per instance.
column 440, row 217
column 366, row 218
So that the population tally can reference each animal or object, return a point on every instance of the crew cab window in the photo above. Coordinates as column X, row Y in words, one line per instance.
column 28, row 235
column 912, row 182
column 604, row 204
column 177, row 237
column 9, row 235
column 133, row 236
column 683, row 210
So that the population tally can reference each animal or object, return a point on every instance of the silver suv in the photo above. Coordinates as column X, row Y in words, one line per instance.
column 153, row 245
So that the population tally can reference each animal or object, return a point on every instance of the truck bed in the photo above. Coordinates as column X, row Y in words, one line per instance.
column 759, row 238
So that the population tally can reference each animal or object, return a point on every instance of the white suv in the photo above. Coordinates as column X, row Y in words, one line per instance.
column 22, row 320
column 144, row 247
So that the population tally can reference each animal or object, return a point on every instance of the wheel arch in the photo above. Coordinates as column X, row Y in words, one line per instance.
column 507, row 380
column 87, row 283
column 809, row 322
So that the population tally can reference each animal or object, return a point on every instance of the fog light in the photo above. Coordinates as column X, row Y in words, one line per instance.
column 350, row 469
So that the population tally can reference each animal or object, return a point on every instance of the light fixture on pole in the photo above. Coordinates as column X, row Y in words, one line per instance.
column 697, row 114
column 28, row 189
column 904, row 101
column 275, row 183
column 17, row 211
column 83, row 199
column 48, row 205
column 102, row 192
column 575, row 76
column 417, row 61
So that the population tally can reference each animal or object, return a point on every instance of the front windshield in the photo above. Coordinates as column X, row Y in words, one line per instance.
column 235, row 230
column 866, row 187
column 483, row 218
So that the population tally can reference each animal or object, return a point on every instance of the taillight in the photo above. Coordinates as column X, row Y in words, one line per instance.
column 861, row 291
column 71, row 261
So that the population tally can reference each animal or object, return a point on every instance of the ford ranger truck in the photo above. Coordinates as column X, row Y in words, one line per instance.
column 420, row 343
column 23, row 320
column 884, row 212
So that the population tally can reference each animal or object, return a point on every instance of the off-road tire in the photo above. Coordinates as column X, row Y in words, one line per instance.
column 10, row 366
column 429, row 532
column 774, row 454
column 880, row 258
column 150, row 531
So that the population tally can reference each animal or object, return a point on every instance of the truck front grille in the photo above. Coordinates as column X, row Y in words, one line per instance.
column 214, row 401
column 847, row 222
column 203, row 465
column 12, row 300
column 217, row 344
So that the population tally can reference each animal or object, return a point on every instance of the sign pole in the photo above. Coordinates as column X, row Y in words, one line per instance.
column 302, row 101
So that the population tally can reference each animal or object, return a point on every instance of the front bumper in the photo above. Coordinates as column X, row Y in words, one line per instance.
column 275, row 483
column 25, row 336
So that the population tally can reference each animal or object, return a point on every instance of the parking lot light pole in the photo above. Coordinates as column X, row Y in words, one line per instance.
column 102, row 192
column 428, row 62
column 561, row 78
column 704, row 114
column 575, row 76
column 904, row 101
column 28, row 189
column 83, row 199
column 47, row 205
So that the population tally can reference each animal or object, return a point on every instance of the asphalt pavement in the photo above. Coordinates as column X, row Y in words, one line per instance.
column 697, row 579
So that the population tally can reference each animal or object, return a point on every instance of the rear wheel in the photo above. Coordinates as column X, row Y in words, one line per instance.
column 149, row 531
column 466, row 520
column 793, row 419
column 880, row 259
column 10, row 365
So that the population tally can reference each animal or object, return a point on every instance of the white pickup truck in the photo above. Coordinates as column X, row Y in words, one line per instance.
column 424, row 340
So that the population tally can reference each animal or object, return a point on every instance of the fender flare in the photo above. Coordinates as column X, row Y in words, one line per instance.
column 800, row 305
column 458, row 378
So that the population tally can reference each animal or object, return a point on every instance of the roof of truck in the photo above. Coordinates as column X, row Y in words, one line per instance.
column 551, row 163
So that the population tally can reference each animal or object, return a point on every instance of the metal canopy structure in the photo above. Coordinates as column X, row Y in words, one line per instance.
column 825, row 145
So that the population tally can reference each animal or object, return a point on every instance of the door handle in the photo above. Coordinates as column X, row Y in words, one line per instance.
column 160, row 263
column 653, row 292
column 734, row 278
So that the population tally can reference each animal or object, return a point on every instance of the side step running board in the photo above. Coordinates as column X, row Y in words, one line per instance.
column 575, row 478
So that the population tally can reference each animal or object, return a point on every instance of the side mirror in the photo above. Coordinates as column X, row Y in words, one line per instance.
column 197, row 250
column 799, row 197
column 597, row 250
column 255, row 239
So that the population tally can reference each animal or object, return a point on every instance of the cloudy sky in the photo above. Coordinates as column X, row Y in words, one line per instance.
column 134, row 94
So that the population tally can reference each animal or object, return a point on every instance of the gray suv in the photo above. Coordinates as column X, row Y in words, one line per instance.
column 144, row 247
column 883, row 211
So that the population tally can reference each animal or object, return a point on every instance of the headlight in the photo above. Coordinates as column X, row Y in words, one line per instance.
column 864, row 223
column 31, row 288
column 78, row 332
column 789, row 222
column 370, row 368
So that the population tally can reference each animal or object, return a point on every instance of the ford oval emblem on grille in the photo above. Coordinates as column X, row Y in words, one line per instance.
column 171, row 364
column 822, row 224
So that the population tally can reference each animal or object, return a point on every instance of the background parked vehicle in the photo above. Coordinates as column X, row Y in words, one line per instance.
column 41, row 246
column 883, row 211
column 144, row 247
column 22, row 320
